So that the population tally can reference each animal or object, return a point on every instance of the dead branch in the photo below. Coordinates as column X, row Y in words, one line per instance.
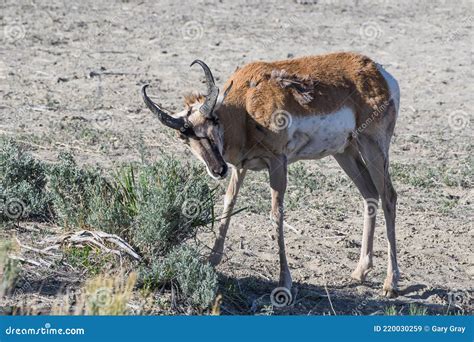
column 36, row 250
column 24, row 260
column 99, row 240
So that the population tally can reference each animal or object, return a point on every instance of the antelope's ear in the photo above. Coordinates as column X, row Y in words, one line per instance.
column 222, row 96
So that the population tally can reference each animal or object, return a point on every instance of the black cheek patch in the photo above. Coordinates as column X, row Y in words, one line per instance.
column 187, row 131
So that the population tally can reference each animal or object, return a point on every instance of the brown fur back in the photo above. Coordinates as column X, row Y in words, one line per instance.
column 308, row 86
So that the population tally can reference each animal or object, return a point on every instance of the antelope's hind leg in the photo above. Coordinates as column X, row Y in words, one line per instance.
column 353, row 165
column 374, row 150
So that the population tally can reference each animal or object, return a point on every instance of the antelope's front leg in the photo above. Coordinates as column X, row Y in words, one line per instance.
column 236, row 181
column 278, row 180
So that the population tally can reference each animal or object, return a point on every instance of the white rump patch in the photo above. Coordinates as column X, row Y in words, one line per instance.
column 314, row 137
column 392, row 86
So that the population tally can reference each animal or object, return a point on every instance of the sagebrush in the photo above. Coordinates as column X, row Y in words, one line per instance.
column 158, row 208
column 22, row 184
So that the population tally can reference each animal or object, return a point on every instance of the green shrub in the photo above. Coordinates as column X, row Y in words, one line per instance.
column 157, row 208
column 108, row 210
column 174, row 200
column 22, row 184
column 183, row 265
column 72, row 189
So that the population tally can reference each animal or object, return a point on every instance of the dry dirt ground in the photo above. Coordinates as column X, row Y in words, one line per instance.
column 70, row 74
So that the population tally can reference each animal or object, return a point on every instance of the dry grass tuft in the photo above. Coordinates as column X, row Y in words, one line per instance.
column 101, row 295
column 9, row 269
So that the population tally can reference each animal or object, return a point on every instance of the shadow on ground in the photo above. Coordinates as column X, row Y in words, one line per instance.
column 252, row 296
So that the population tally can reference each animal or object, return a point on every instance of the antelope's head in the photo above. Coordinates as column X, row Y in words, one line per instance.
column 198, row 125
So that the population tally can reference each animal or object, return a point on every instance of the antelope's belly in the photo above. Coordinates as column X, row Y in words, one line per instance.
column 314, row 137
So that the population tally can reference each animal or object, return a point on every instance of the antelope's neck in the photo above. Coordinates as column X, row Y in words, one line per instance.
column 233, row 133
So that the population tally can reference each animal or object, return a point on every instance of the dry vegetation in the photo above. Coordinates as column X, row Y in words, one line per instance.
column 88, row 178
column 143, row 217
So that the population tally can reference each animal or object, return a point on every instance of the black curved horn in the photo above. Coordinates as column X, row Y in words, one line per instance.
column 165, row 118
column 212, row 91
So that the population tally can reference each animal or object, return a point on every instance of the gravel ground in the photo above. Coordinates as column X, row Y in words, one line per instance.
column 70, row 74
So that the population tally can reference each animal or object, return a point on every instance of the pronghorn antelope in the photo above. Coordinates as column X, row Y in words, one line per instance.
column 275, row 113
